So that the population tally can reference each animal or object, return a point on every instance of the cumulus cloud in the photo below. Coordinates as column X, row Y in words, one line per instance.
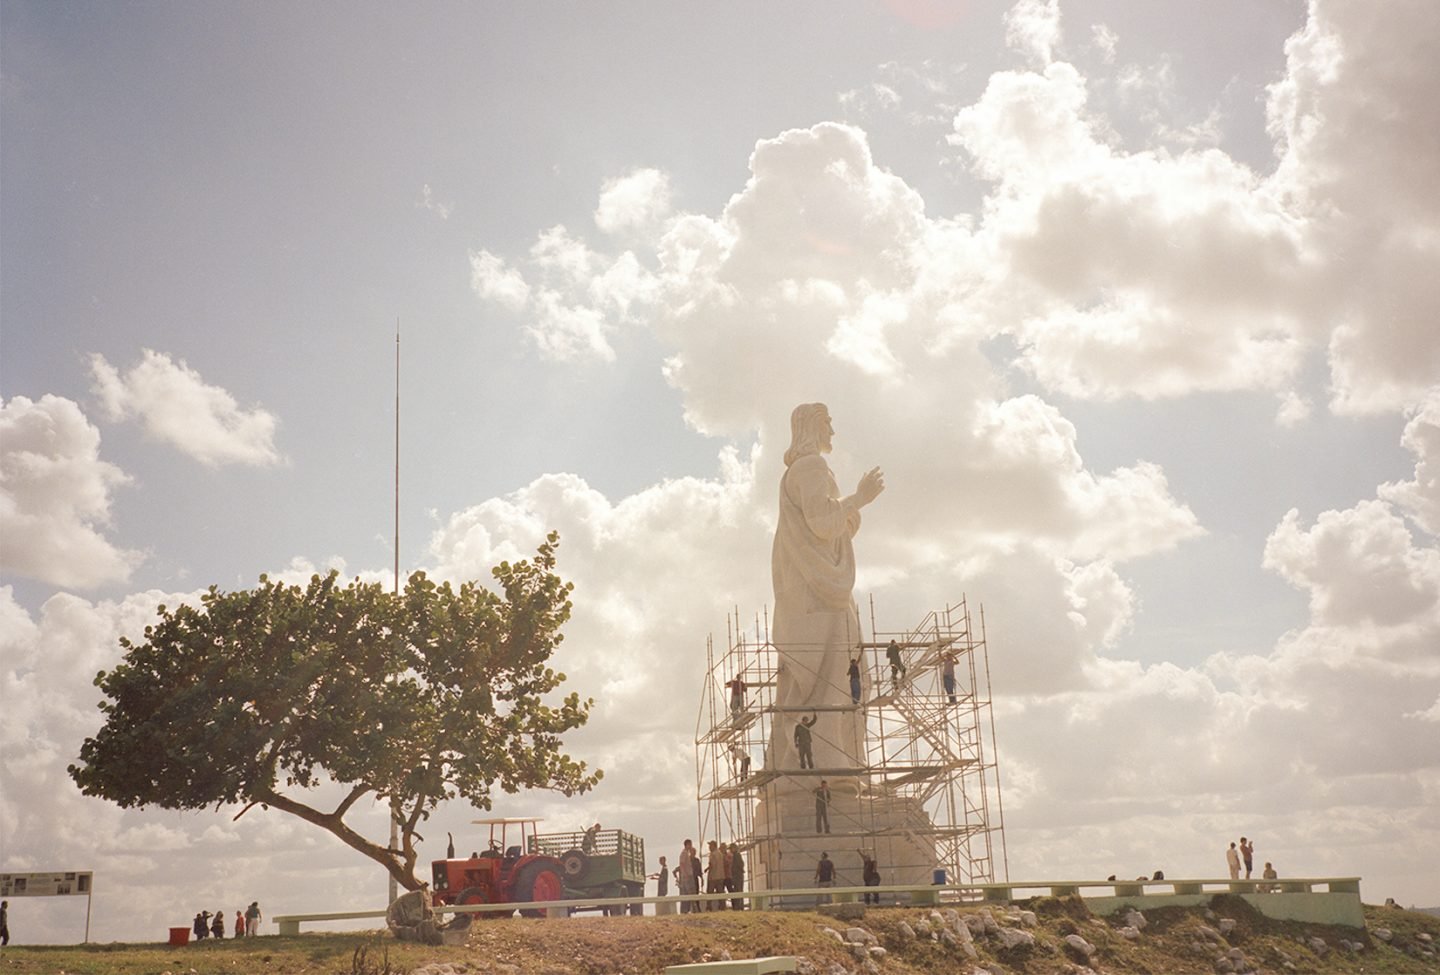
column 1359, row 132
column 55, row 495
column 633, row 202
column 494, row 280
column 178, row 407
column 1360, row 566
column 1420, row 497
column 1145, row 273
column 1033, row 27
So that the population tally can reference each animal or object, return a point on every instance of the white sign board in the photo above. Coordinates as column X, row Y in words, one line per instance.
column 45, row 884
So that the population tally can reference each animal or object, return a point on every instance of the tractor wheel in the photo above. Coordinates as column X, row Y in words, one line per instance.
column 575, row 864
column 467, row 896
column 538, row 882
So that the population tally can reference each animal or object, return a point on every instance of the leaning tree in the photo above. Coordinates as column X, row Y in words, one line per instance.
column 260, row 696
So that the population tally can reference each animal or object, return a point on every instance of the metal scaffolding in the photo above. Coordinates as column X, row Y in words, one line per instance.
column 929, row 784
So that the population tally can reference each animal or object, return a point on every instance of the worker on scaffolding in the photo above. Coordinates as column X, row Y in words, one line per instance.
column 947, row 674
column 740, row 759
column 897, row 666
column 803, row 743
column 822, row 807
column 737, row 694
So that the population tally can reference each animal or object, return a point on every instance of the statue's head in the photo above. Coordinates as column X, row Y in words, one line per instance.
column 810, row 431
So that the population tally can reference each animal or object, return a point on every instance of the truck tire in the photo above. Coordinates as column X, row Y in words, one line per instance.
column 574, row 864
column 538, row 882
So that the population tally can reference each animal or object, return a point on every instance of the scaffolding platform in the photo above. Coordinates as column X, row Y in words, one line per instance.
column 926, row 794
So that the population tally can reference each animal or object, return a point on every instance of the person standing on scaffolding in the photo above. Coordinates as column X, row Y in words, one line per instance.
column 947, row 674
column 737, row 694
column 740, row 758
column 897, row 666
column 803, row 743
column 854, row 674
column 822, row 808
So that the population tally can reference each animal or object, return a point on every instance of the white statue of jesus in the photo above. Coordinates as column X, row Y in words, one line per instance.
column 816, row 625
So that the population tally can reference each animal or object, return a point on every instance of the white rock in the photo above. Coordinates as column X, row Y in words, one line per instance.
column 1014, row 938
column 1235, row 954
column 922, row 928
column 907, row 933
column 1080, row 945
column 859, row 936
column 834, row 934
column 877, row 952
column 1129, row 933
column 936, row 918
column 975, row 923
column 1384, row 934
column 1029, row 919
column 1135, row 919
column 962, row 932
column 1227, row 924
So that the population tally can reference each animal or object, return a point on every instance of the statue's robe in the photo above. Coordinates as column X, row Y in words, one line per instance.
column 816, row 627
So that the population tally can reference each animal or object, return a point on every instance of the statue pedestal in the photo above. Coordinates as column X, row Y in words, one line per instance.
column 786, row 845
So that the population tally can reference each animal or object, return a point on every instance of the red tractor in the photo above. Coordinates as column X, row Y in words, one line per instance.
column 502, row 874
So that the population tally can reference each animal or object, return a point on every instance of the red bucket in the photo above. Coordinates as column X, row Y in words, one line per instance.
column 179, row 936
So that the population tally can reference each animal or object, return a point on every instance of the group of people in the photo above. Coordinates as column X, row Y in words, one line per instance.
column 898, row 670
column 247, row 924
column 1245, row 852
column 869, row 873
column 723, row 873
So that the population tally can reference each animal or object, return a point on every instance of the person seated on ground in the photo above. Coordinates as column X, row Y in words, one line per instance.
column 1159, row 875
column 1269, row 874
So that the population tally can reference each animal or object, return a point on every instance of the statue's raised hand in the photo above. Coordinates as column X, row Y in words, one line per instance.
column 870, row 486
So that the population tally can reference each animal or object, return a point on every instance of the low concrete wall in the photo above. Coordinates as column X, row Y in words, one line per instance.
column 1324, row 908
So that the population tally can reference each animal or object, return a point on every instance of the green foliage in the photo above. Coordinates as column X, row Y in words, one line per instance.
column 433, row 693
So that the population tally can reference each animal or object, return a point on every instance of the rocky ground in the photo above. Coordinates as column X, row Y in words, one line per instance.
column 1047, row 935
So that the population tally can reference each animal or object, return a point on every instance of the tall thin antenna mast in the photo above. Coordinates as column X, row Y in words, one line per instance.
column 397, row 456
column 394, row 822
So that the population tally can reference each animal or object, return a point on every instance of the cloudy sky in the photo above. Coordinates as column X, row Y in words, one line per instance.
column 1135, row 304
